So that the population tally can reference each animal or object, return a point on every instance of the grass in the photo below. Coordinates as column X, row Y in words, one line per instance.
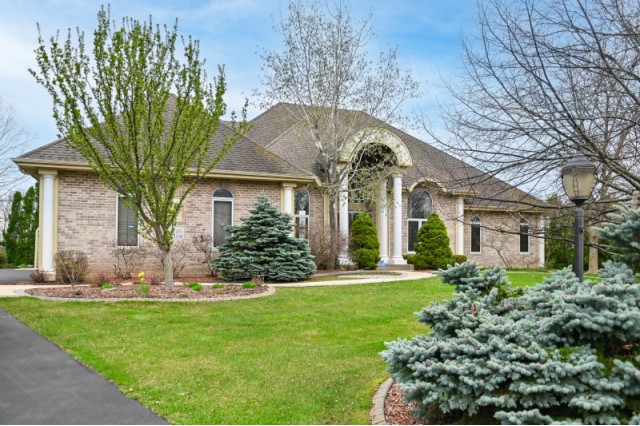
column 302, row 356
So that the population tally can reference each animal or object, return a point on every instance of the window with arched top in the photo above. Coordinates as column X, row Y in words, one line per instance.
column 301, row 213
column 524, row 236
column 476, row 235
column 420, row 207
column 222, row 209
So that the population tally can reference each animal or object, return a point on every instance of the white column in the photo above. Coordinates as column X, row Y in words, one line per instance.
column 48, row 199
column 460, row 225
column 383, row 228
column 344, row 220
column 287, row 199
column 541, row 259
column 396, row 258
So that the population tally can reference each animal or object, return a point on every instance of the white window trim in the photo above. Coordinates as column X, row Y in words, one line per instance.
column 528, row 234
column 296, row 214
column 479, row 223
column 213, row 206
column 420, row 221
column 118, row 196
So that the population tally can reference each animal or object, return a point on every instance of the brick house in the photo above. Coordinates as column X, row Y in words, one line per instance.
column 487, row 220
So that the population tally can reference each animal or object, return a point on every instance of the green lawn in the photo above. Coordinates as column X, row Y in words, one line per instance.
column 303, row 356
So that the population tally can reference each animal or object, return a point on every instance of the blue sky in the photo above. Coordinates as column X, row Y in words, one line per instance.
column 231, row 32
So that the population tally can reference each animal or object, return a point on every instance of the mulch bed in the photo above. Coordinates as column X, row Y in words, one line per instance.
column 396, row 410
column 131, row 291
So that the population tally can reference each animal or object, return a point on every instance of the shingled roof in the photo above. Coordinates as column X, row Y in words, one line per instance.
column 276, row 129
column 245, row 158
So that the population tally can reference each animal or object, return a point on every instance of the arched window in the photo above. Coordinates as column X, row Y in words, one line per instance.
column 301, row 213
column 524, row 236
column 222, row 206
column 420, row 207
column 476, row 235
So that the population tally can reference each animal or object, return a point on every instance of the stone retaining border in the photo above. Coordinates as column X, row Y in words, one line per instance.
column 270, row 291
column 376, row 415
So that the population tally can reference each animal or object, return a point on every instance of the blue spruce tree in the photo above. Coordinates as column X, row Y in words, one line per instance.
column 264, row 248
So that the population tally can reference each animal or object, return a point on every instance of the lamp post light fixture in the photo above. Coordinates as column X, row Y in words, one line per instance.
column 578, row 177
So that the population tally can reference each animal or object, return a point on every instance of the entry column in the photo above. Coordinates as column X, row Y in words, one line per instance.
column 48, row 217
column 344, row 220
column 383, row 228
column 397, row 258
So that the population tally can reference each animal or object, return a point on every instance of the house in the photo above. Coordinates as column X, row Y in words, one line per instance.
column 487, row 220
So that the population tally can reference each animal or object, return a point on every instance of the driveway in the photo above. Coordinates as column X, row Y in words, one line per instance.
column 41, row 384
column 15, row 275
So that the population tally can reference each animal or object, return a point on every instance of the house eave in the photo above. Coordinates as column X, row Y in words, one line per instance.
column 31, row 168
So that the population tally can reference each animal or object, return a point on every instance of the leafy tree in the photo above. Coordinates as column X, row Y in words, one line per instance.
column 142, row 115
column 432, row 248
column 322, row 76
column 365, row 246
column 20, row 234
column 262, row 247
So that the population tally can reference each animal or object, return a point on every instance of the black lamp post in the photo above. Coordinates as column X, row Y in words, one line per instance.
column 578, row 177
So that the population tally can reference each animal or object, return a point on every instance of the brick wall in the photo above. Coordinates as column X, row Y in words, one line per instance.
column 87, row 217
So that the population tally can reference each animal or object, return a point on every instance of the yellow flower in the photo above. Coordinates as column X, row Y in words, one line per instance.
column 141, row 276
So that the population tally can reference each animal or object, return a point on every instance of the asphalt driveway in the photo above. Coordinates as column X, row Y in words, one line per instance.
column 41, row 384
column 15, row 275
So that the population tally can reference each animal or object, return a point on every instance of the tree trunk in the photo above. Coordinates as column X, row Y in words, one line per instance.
column 168, row 269
column 593, row 251
column 334, row 236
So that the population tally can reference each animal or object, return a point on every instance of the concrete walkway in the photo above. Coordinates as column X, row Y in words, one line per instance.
column 348, row 279
column 40, row 384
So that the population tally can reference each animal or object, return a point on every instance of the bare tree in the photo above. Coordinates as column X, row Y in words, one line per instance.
column 13, row 139
column 325, row 80
column 544, row 79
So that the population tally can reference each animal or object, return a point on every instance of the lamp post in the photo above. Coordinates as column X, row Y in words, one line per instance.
column 578, row 177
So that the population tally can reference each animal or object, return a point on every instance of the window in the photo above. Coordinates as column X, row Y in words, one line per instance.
column 222, row 215
column 126, row 224
column 301, row 213
column 476, row 235
column 524, row 236
column 420, row 207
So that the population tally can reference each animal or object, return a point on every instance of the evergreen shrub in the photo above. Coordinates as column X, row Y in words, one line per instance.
column 262, row 247
column 458, row 258
column 365, row 247
column 3, row 259
column 432, row 248
column 562, row 351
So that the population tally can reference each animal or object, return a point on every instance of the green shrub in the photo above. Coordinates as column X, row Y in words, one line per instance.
column 195, row 286
column 249, row 284
column 561, row 351
column 432, row 248
column 458, row 258
column 409, row 257
column 217, row 285
column 105, row 286
column 3, row 258
column 365, row 247
column 263, row 247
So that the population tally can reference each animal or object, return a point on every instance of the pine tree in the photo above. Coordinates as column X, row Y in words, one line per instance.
column 623, row 233
column 262, row 247
column 432, row 248
column 561, row 351
column 365, row 247
column 20, row 235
